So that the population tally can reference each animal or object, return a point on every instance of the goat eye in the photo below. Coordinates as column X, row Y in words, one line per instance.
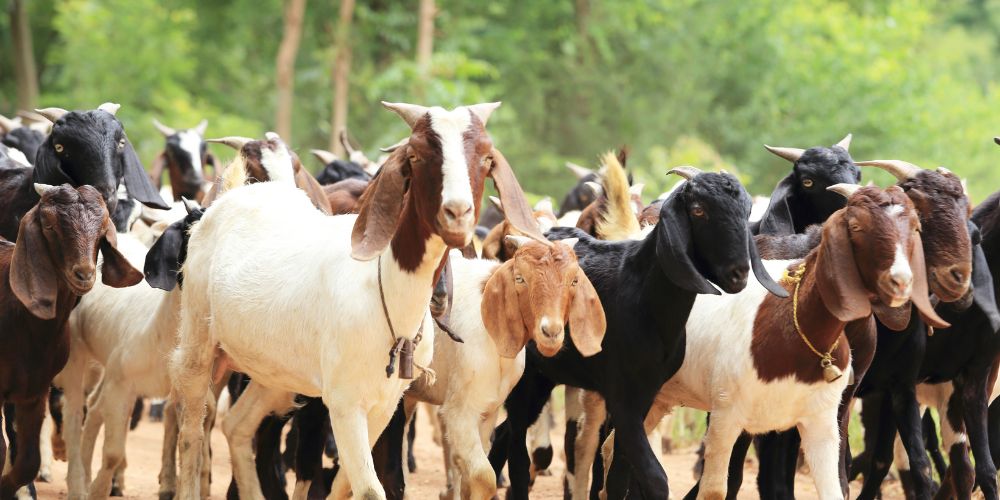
column 807, row 183
column 121, row 143
column 856, row 227
column 519, row 279
column 697, row 211
column 59, row 148
column 575, row 281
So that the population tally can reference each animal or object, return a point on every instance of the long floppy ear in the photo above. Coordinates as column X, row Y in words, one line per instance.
column 501, row 312
column 586, row 317
column 837, row 276
column 983, row 293
column 137, row 181
column 777, row 219
column 761, row 273
column 380, row 207
column 515, row 207
column 162, row 266
column 48, row 169
column 673, row 244
column 306, row 182
column 920, row 294
column 116, row 271
column 33, row 277
column 896, row 318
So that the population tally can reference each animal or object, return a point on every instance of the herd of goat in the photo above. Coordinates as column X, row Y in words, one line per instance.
column 341, row 301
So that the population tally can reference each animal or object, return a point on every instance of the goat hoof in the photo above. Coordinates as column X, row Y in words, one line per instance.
column 167, row 495
column 411, row 463
column 116, row 492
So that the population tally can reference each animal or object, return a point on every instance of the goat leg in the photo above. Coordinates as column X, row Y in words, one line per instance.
column 28, row 417
column 974, row 391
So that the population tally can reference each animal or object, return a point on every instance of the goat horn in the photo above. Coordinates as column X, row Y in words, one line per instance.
column 389, row 149
column 41, row 189
column 845, row 142
column 517, row 241
column 272, row 136
column 686, row 171
column 234, row 141
column 6, row 124
column 900, row 169
column 325, row 157
column 636, row 189
column 189, row 206
column 51, row 114
column 484, row 110
column 346, row 143
column 844, row 189
column 497, row 203
column 410, row 113
column 578, row 171
column 110, row 107
column 595, row 187
column 165, row 130
column 790, row 154
column 944, row 171
column 570, row 242
column 201, row 126
column 31, row 116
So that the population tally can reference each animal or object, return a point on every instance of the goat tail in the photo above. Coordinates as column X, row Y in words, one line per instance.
column 618, row 220
column 235, row 175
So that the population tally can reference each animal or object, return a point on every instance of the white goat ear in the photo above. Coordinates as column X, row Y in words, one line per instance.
column 497, row 203
column 484, row 110
column 110, row 107
column 570, row 242
column 516, row 241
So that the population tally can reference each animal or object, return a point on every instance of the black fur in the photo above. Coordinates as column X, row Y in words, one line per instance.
column 166, row 257
column 339, row 170
column 25, row 139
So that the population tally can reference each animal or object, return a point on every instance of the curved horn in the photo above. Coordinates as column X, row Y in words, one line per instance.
column 517, row 241
column 578, row 171
column 484, row 110
column 41, row 189
column 410, row 113
column 944, row 171
column 790, row 154
column 325, row 157
column 843, row 189
column 6, row 124
column 200, row 127
column 845, row 142
column 234, row 141
column 346, row 143
column 389, row 149
column 165, row 130
column 110, row 107
column 900, row 169
column 686, row 171
column 189, row 206
column 497, row 203
column 51, row 114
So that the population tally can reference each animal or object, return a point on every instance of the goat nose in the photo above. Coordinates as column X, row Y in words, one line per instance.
column 83, row 273
column 959, row 273
column 901, row 280
column 738, row 275
column 456, row 209
column 550, row 329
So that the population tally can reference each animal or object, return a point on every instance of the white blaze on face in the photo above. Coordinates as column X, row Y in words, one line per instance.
column 900, row 270
column 190, row 142
column 449, row 126
column 278, row 164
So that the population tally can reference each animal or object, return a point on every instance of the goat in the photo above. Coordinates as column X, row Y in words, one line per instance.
column 336, row 170
column 50, row 266
column 185, row 157
column 25, row 139
column 424, row 199
column 801, row 199
column 85, row 147
column 647, row 288
column 498, row 246
column 582, row 194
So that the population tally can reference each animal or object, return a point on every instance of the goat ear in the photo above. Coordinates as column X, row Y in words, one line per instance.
column 673, row 242
column 162, row 266
column 137, row 181
column 501, row 311
column 48, row 168
column 515, row 207
column 116, row 271
column 919, row 295
column 761, row 273
column 33, row 277
column 983, row 293
column 493, row 244
column 306, row 182
column 896, row 318
column 586, row 317
column 838, row 279
column 380, row 206
column 777, row 219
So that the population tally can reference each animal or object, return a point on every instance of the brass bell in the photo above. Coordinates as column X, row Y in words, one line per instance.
column 830, row 371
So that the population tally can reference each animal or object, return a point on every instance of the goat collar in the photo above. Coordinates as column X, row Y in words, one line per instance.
column 830, row 371
column 401, row 346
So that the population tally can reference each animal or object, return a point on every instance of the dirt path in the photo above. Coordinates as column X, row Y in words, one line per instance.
column 143, row 451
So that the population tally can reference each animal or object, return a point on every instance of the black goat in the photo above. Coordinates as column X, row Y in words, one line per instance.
column 647, row 289
column 336, row 170
column 185, row 157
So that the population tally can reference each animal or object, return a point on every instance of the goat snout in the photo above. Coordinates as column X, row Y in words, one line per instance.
column 550, row 329
column 456, row 210
column 735, row 279
column 951, row 282
column 82, row 278
column 456, row 221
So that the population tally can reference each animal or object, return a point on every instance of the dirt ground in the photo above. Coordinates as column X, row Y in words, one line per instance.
column 143, row 452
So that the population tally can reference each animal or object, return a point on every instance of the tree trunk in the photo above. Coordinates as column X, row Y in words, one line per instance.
column 294, row 10
column 425, row 36
column 25, row 70
column 341, row 71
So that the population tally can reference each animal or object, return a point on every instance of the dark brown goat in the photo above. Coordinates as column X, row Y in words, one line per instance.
column 41, row 278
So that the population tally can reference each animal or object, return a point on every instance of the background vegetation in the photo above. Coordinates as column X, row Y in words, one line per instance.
column 704, row 82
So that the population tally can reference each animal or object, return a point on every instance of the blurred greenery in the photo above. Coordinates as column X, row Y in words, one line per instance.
column 703, row 82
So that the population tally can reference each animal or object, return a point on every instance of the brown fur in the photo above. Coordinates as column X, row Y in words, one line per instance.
column 496, row 246
column 345, row 196
column 843, row 276
column 39, row 286
column 552, row 285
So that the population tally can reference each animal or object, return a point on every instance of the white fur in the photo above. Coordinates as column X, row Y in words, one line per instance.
column 271, row 280
column 449, row 126
column 900, row 270
column 18, row 156
column 278, row 164
column 190, row 142
column 760, row 204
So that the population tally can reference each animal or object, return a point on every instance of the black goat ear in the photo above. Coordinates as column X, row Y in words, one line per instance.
column 162, row 261
column 777, row 219
column 48, row 168
column 983, row 293
column 761, row 273
column 974, row 234
column 137, row 182
column 673, row 242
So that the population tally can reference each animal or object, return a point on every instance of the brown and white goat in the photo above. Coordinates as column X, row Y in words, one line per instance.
column 41, row 279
